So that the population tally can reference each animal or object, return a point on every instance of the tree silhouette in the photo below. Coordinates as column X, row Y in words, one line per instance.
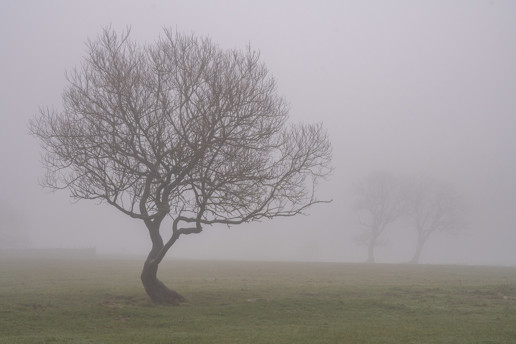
column 179, row 132
column 379, row 201
column 434, row 206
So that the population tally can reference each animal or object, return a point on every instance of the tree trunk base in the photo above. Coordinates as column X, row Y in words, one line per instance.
column 160, row 294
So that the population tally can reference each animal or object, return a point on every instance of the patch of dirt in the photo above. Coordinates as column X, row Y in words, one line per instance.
column 120, row 301
column 258, row 299
column 507, row 298
column 110, row 304
column 36, row 307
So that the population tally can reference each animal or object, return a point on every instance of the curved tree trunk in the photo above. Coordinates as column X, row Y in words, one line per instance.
column 157, row 290
column 370, row 250
column 417, row 254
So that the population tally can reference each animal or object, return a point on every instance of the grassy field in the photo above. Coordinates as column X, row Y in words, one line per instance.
column 102, row 301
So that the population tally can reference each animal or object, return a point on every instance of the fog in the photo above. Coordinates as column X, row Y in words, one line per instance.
column 410, row 87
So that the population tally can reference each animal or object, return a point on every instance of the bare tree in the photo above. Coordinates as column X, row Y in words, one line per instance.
column 179, row 130
column 434, row 207
column 380, row 202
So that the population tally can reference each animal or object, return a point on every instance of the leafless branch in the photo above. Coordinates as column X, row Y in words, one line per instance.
column 180, row 128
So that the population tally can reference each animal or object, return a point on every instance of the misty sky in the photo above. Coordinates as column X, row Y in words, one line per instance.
column 411, row 87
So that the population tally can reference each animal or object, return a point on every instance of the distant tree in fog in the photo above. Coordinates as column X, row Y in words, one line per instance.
column 179, row 132
column 433, row 206
column 379, row 201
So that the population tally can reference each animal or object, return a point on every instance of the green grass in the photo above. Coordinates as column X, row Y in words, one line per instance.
column 102, row 301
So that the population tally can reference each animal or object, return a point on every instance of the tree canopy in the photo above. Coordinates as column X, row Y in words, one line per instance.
column 180, row 128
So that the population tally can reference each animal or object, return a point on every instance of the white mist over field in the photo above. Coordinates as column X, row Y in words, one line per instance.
column 421, row 88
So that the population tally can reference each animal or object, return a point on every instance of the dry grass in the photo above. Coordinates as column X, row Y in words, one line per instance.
column 102, row 301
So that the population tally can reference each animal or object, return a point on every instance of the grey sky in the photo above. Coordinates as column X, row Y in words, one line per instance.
column 416, row 87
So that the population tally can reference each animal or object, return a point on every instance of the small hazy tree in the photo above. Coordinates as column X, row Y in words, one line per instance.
column 380, row 202
column 179, row 130
column 433, row 207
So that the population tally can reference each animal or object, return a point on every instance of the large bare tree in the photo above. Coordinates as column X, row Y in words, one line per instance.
column 379, row 201
column 434, row 206
column 179, row 132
